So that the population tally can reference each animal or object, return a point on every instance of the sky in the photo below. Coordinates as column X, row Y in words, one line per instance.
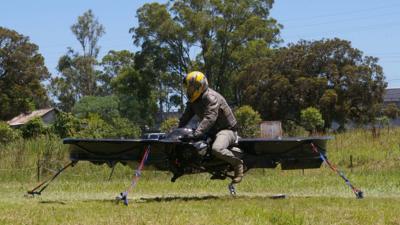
column 372, row 26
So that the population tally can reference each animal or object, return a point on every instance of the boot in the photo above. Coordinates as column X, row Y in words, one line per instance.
column 238, row 173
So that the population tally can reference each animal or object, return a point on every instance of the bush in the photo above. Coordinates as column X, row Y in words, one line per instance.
column 382, row 121
column 311, row 119
column 169, row 124
column 125, row 128
column 95, row 127
column 66, row 125
column 106, row 107
column 391, row 111
column 248, row 121
column 34, row 128
column 7, row 134
column 292, row 129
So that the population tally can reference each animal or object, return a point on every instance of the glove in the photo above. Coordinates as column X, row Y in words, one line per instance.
column 189, row 137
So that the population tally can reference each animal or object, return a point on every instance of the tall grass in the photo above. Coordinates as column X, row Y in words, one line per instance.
column 367, row 153
column 83, row 194
column 356, row 151
column 369, row 161
column 20, row 159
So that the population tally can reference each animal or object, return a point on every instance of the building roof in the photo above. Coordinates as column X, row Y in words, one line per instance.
column 26, row 117
column 392, row 95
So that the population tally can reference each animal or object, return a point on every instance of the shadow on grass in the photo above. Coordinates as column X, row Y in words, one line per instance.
column 200, row 198
column 155, row 199
column 178, row 198
column 147, row 199
column 144, row 200
column 52, row 202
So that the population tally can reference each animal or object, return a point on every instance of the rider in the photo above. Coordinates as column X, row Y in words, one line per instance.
column 216, row 119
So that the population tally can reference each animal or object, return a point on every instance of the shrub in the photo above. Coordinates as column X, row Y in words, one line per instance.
column 7, row 134
column 106, row 107
column 382, row 121
column 34, row 128
column 311, row 119
column 66, row 125
column 124, row 128
column 391, row 111
column 292, row 129
column 169, row 124
column 95, row 127
column 248, row 121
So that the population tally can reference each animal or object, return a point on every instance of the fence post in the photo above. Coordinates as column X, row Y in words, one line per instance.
column 351, row 163
column 38, row 170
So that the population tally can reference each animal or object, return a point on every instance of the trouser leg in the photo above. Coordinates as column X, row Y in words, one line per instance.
column 223, row 140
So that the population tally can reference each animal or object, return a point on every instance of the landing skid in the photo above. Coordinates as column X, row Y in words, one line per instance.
column 232, row 189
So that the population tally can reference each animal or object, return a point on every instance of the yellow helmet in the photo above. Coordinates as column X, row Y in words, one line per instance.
column 195, row 84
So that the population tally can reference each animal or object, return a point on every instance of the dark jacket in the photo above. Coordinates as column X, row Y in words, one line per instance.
column 214, row 113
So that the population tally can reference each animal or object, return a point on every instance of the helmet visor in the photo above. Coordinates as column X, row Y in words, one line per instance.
column 189, row 90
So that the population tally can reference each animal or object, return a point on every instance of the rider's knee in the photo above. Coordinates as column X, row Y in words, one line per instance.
column 216, row 150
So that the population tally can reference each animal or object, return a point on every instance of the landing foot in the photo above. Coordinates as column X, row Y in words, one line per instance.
column 232, row 189
column 123, row 196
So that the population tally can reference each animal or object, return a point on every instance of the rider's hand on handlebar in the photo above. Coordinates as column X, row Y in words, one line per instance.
column 189, row 137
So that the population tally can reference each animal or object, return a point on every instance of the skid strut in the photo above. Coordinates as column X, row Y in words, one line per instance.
column 359, row 194
column 123, row 196
column 46, row 183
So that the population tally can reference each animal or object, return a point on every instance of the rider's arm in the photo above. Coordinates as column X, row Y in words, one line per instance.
column 186, row 116
column 211, row 105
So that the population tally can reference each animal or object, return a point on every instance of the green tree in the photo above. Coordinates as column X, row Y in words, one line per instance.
column 22, row 72
column 157, row 28
column 220, row 31
column 248, row 121
column 112, row 64
column 327, row 103
column 327, row 74
column 151, row 62
column 7, row 134
column 66, row 125
column 136, row 95
column 106, row 107
column 311, row 119
column 76, row 80
column 169, row 124
column 87, row 31
column 78, row 76
column 224, row 30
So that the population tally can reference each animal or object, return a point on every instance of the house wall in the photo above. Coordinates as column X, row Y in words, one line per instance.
column 395, row 122
column 389, row 102
column 49, row 117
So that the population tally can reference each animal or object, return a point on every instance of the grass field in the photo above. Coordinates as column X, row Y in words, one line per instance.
column 83, row 195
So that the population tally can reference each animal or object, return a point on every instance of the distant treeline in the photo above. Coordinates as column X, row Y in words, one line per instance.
column 236, row 44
